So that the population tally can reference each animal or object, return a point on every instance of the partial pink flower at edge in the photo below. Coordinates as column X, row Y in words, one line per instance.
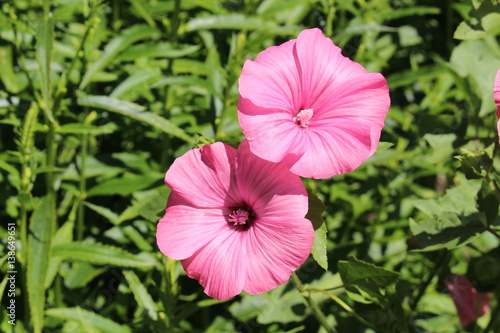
column 307, row 105
column 496, row 97
column 469, row 303
column 236, row 221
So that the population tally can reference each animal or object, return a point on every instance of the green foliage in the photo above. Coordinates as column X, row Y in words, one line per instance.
column 98, row 97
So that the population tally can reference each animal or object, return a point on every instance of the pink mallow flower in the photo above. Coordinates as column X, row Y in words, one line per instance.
column 234, row 220
column 307, row 105
column 496, row 97
column 469, row 303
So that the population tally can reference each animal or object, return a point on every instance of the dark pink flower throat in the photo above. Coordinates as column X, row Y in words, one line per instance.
column 240, row 217
column 303, row 117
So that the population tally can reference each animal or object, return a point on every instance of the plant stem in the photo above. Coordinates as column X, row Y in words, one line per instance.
column 305, row 292
column 344, row 305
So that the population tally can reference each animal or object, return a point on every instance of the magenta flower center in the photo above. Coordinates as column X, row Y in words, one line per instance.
column 303, row 117
column 239, row 217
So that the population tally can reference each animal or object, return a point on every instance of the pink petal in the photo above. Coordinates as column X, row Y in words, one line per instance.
column 183, row 230
column 219, row 266
column 272, row 80
column 205, row 176
column 322, row 65
column 269, row 188
column 272, row 134
column 341, row 147
column 275, row 248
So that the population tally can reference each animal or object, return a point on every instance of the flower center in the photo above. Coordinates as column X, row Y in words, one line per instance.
column 239, row 217
column 303, row 117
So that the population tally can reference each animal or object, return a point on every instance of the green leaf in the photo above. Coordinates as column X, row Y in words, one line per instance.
column 124, row 186
column 100, row 254
column 157, row 50
column 475, row 164
column 315, row 215
column 43, row 58
column 63, row 235
column 136, row 112
column 233, row 21
column 88, row 318
column 79, row 128
column 104, row 211
column 141, row 294
column 484, row 19
column 138, row 80
column 81, row 274
column 117, row 45
column 365, row 281
column 446, row 231
column 39, row 243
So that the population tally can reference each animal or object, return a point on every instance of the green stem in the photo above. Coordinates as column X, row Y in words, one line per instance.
column 305, row 292
column 344, row 305
column 329, row 18
column 495, row 316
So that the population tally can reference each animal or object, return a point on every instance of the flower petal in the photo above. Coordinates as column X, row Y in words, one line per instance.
column 272, row 80
column 270, row 189
column 183, row 230
column 271, row 133
column 219, row 266
column 341, row 147
column 205, row 176
column 275, row 248
column 322, row 65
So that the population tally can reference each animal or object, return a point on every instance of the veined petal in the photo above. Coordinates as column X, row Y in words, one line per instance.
column 219, row 266
column 340, row 148
column 270, row 189
column 275, row 248
column 205, row 176
column 365, row 98
column 183, row 230
column 322, row 65
column 272, row 80
column 272, row 134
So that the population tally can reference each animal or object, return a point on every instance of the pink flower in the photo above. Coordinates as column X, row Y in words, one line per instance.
column 234, row 220
column 496, row 97
column 307, row 105
column 469, row 303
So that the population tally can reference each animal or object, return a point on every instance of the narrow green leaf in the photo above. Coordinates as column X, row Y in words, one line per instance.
column 139, row 80
column 157, row 50
column 43, row 57
column 136, row 112
column 104, row 211
column 39, row 243
column 125, row 185
column 79, row 128
column 81, row 274
column 63, row 235
column 100, row 254
column 141, row 295
column 88, row 318
column 232, row 21
column 117, row 45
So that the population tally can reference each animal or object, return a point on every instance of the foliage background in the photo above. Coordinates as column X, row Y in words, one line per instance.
column 97, row 98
